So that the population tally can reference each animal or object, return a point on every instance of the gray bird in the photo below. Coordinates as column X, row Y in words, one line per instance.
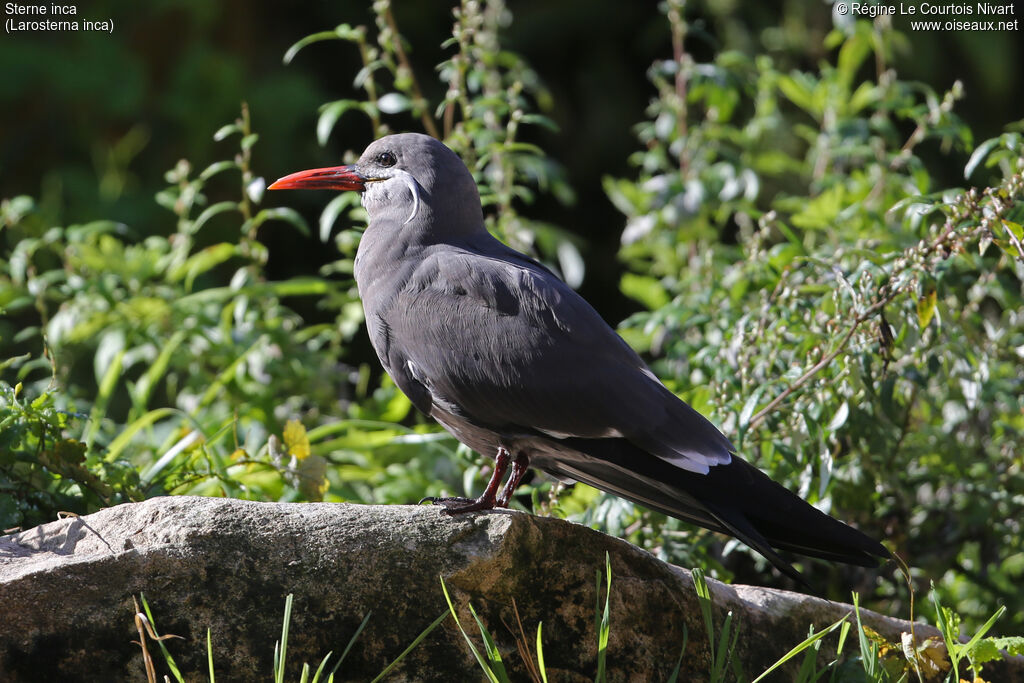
column 516, row 365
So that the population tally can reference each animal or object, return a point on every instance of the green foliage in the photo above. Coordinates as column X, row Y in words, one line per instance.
column 489, row 99
column 602, row 619
column 147, row 626
column 877, row 659
column 850, row 322
column 490, row 660
column 979, row 649
column 811, row 282
column 720, row 656
column 191, row 371
column 43, row 470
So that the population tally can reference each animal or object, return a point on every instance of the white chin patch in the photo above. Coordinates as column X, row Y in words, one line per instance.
column 386, row 192
column 414, row 190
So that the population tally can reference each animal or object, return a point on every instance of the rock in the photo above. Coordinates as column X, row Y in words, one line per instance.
column 226, row 565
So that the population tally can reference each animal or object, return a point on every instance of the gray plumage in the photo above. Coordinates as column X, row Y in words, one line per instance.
column 510, row 359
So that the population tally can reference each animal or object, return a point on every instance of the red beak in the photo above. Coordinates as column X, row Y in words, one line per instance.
column 335, row 178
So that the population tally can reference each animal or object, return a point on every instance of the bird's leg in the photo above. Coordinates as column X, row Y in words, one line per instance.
column 487, row 499
column 519, row 466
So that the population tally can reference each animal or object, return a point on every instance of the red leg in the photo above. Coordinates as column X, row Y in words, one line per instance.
column 519, row 466
column 487, row 499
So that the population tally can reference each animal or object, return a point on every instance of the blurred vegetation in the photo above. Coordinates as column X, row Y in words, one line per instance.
column 825, row 261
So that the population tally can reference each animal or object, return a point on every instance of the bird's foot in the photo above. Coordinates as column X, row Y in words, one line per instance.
column 456, row 505
column 490, row 498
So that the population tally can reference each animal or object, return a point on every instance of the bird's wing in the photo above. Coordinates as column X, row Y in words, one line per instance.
column 495, row 338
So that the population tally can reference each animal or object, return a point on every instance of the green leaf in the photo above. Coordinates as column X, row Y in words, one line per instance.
column 979, row 155
column 646, row 289
column 171, row 664
column 289, row 55
column 211, row 211
column 202, row 261
column 798, row 88
column 393, row 103
column 1013, row 645
column 124, row 438
column 839, row 419
column 226, row 130
column 144, row 387
column 217, row 167
column 749, row 406
column 853, row 53
column 334, row 209
column 79, row 233
column 103, row 395
column 280, row 213
column 329, row 115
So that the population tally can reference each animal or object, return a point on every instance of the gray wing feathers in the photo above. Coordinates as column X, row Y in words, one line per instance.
column 511, row 347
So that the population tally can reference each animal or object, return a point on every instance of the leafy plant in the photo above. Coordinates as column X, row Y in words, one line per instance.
column 851, row 322
column 146, row 626
column 43, row 468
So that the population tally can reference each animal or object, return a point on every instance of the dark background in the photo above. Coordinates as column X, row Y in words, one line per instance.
column 89, row 122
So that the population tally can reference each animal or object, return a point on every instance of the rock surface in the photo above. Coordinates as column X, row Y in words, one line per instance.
column 66, row 589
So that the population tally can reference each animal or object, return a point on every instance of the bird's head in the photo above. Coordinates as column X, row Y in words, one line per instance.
column 409, row 178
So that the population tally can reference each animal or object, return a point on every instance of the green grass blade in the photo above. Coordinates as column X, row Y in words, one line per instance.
column 721, row 656
column 984, row 628
column 604, row 624
column 540, row 656
column 476, row 653
column 868, row 649
column 412, row 646
column 806, row 643
column 843, row 632
column 704, row 599
column 679, row 662
column 281, row 648
column 209, row 653
column 490, row 648
column 103, row 394
column 351, row 642
column 320, row 669
column 171, row 664
column 143, row 389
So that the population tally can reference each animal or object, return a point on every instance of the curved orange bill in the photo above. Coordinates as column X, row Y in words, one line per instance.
column 334, row 178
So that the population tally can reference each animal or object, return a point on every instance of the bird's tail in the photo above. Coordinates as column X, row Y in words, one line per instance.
column 737, row 499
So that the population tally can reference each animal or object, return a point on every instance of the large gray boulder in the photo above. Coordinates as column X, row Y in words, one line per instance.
column 66, row 588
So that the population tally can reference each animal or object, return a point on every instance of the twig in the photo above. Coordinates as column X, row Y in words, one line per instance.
column 675, row 17
column 428, row 123
column 817, row 367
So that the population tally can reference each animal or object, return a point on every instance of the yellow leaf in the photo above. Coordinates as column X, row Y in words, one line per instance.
column 295, row 439
column 931, row 656
column 926, row 308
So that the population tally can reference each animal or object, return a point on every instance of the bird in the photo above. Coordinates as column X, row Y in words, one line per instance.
column 515, row 364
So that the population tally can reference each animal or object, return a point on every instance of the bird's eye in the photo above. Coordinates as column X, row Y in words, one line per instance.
column 387, row 159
